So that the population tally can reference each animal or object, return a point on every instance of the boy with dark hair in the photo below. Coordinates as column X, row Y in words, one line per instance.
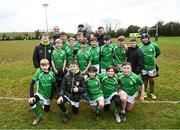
column 94, row 91
column 45, row 82
column 73, row 86
column 130, row 84
column 71, row 51
column 119, row 53
column 94, row 51
column 63, row 37
column 106, row 54
column 84, row 57
column 79, row 39
column 135, row 57
column 109, row 84
column 150, row 52
column 58, row 61
column 42, row 51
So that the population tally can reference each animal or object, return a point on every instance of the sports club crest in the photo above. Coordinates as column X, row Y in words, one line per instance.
column 131, row 82
column 96, row 82
column 77, row 83
column 49, row 51
column 150, row 50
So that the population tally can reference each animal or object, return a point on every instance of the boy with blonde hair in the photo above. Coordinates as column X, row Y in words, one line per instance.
column 45, row 82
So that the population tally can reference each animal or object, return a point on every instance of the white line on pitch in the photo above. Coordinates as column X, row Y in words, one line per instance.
column 153, row 102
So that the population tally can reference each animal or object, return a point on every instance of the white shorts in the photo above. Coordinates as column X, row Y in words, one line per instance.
column 108, row 100
column 73, row 103
column 43, row 100
column 131, row 99
column 97, row 67
column 151, row 73
column 94, row 103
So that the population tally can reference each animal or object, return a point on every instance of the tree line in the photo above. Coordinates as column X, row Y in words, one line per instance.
column 111, row 27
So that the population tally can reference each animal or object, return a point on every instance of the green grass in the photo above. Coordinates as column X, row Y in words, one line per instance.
column 16, row 70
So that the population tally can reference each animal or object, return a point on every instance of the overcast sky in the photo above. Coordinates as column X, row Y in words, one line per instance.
column 29, row 15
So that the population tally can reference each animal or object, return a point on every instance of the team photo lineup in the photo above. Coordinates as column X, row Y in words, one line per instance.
column 91, row 68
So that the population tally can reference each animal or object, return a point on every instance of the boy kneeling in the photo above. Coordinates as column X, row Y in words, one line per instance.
column 45, row 82
column 94, row 92
column 129, row 83
column 73, row 86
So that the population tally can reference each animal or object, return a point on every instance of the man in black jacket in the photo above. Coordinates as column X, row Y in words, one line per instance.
column 72, row 87
column 135, row 56
column 56, row 33
column 100, row 36
column 42, row 51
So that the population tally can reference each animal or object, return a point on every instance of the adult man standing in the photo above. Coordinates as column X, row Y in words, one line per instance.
column 42, row 51
column 100, row 36
column 82, row 29
column 56, row 33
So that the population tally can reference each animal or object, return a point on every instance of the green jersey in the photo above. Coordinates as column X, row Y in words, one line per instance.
column 64, row 44
column 83, row 59
column 45, row 83
column 150, row 52
column 119, row 55
column 130, row 84
column 109, row 84
column 106, row 54
column 93, row 88
column 58, row 56
column 94, row 51
column 78, row 44
column 70, row 54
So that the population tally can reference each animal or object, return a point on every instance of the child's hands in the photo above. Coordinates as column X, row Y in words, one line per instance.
column 55, row 71
column 60, row 100
column 85, row 77
column 31, row 100
column 75, row 89
column 141, row 98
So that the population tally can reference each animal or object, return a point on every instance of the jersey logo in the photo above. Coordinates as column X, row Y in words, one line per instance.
column 131, row 82
column 96, row 83
column 49, row 51
column 77, row 83
column 150, row 50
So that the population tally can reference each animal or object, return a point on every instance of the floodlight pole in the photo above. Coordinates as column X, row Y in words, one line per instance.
column 156, row 35
column 45, row 6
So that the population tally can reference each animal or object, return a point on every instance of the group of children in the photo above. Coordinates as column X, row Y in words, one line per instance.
column 79, row 68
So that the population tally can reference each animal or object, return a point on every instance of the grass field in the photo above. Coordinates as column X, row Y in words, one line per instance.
column 16, row 70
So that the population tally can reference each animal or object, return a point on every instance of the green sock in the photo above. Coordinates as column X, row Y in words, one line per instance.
column 66, row 114
column 117, row 110
column 98, row 110
column 152, row 89
column 145, row 89
column 36, row 111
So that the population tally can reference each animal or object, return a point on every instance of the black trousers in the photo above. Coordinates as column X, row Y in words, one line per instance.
column 75, row 110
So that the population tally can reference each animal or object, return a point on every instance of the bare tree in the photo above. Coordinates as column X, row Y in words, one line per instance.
column 111, row 24
column 88, row 27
